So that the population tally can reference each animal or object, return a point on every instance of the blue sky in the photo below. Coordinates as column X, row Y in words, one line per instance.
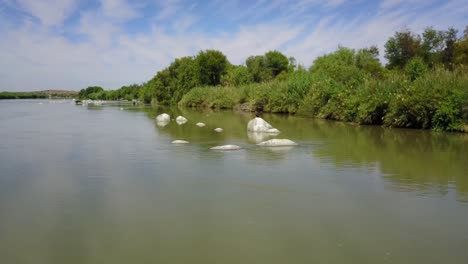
column 71, row 44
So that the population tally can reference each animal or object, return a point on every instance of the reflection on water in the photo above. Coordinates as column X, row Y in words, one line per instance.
column 107, row 186
column 424, row 162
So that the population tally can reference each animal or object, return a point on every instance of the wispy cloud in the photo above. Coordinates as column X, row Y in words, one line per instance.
column 49, row 12
column 120, row 42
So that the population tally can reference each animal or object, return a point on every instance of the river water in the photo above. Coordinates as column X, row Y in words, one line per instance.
column 105, row 185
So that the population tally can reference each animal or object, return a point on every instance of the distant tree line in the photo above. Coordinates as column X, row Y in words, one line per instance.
column 38, row 95
column 423, row 85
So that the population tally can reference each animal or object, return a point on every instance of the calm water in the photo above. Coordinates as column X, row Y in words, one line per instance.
column 104, row 185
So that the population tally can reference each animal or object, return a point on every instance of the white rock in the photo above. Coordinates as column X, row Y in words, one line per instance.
column 226, row 147
column 180, row 142
column 219, row 130
column 163, row 118
column 181, row 120
column 277, row 143
column 200, row 124
column 259, row 125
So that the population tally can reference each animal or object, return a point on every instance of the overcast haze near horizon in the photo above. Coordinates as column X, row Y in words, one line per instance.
column 72, row 44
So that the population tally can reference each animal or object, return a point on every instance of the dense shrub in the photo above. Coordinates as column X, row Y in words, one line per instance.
column 434, row 100
column 212, row 97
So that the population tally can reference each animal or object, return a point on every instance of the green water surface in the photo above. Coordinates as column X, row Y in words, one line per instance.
column 105, row 185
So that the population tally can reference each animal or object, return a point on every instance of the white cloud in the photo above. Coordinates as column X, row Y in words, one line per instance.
column 120, row 9
column 33, row 57
column 49, row 12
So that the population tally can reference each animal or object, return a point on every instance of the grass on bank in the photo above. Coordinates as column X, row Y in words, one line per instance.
column 437, row 99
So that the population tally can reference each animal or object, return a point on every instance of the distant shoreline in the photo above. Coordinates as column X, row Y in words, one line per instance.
column 56, row 94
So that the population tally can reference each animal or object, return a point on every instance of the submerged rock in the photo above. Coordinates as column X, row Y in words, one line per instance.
column 218, row 129
column 226, row 147
column 259, row 125
column 163, row 119
column 277, row 143
column 200, row 124
column 181, row 120
column 180, row 142
column 258, row 137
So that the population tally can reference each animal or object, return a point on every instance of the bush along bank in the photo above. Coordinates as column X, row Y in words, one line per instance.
column 437, row 100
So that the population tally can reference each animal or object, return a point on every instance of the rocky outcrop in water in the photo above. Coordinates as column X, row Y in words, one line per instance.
column 259, row 125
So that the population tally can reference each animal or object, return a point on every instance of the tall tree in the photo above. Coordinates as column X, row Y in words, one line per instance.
column 448, row 53
column 258, row 68
column 400, row 48
column 432, row 46
column 276, row 62
column 211, row 65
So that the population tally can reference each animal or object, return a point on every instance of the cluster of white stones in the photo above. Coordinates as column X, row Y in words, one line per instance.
column 257, row 129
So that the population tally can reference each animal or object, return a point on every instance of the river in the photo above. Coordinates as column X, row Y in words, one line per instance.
column 105, row 185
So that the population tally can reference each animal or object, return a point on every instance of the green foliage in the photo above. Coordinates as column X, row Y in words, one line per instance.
column 22, row 95
column 375, row 96
column 268, row 67
column 344, row 66
column 415, row 68
column 212, row 97
column 432, row 46
column 400, row 48
column 257, row 66
column 211, row 65
column 236, row 76
column 277, row 62
column 423, row 86
column 461, row 51
column 85, row 93
column 434, row 100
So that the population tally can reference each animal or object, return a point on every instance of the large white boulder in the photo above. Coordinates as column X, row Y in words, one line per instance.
column 163, row 119
column 218, row 129
column 180, row 142
column 181, row 120
column 200, row 124
column 277, row 143
column 259, row 125
column 226, row 147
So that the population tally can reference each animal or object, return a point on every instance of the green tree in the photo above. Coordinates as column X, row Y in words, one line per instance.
column 400, row 48
column 211, row 65
column 449, row 51
column 236, row 76
column 415, row 68
column 277, row 62
column 85, row 93
column 432, row 46
column 339, row 66
column 461, row 50
column 258, row 68
column 368, row 61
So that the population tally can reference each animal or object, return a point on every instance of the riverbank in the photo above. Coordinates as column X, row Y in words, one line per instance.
column 436, row 100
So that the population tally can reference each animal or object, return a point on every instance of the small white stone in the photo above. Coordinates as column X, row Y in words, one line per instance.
column 219, row 130
column 277, row 143
column 226, row 147
column 181, row 120
column 200, row 124
column 180, row 142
